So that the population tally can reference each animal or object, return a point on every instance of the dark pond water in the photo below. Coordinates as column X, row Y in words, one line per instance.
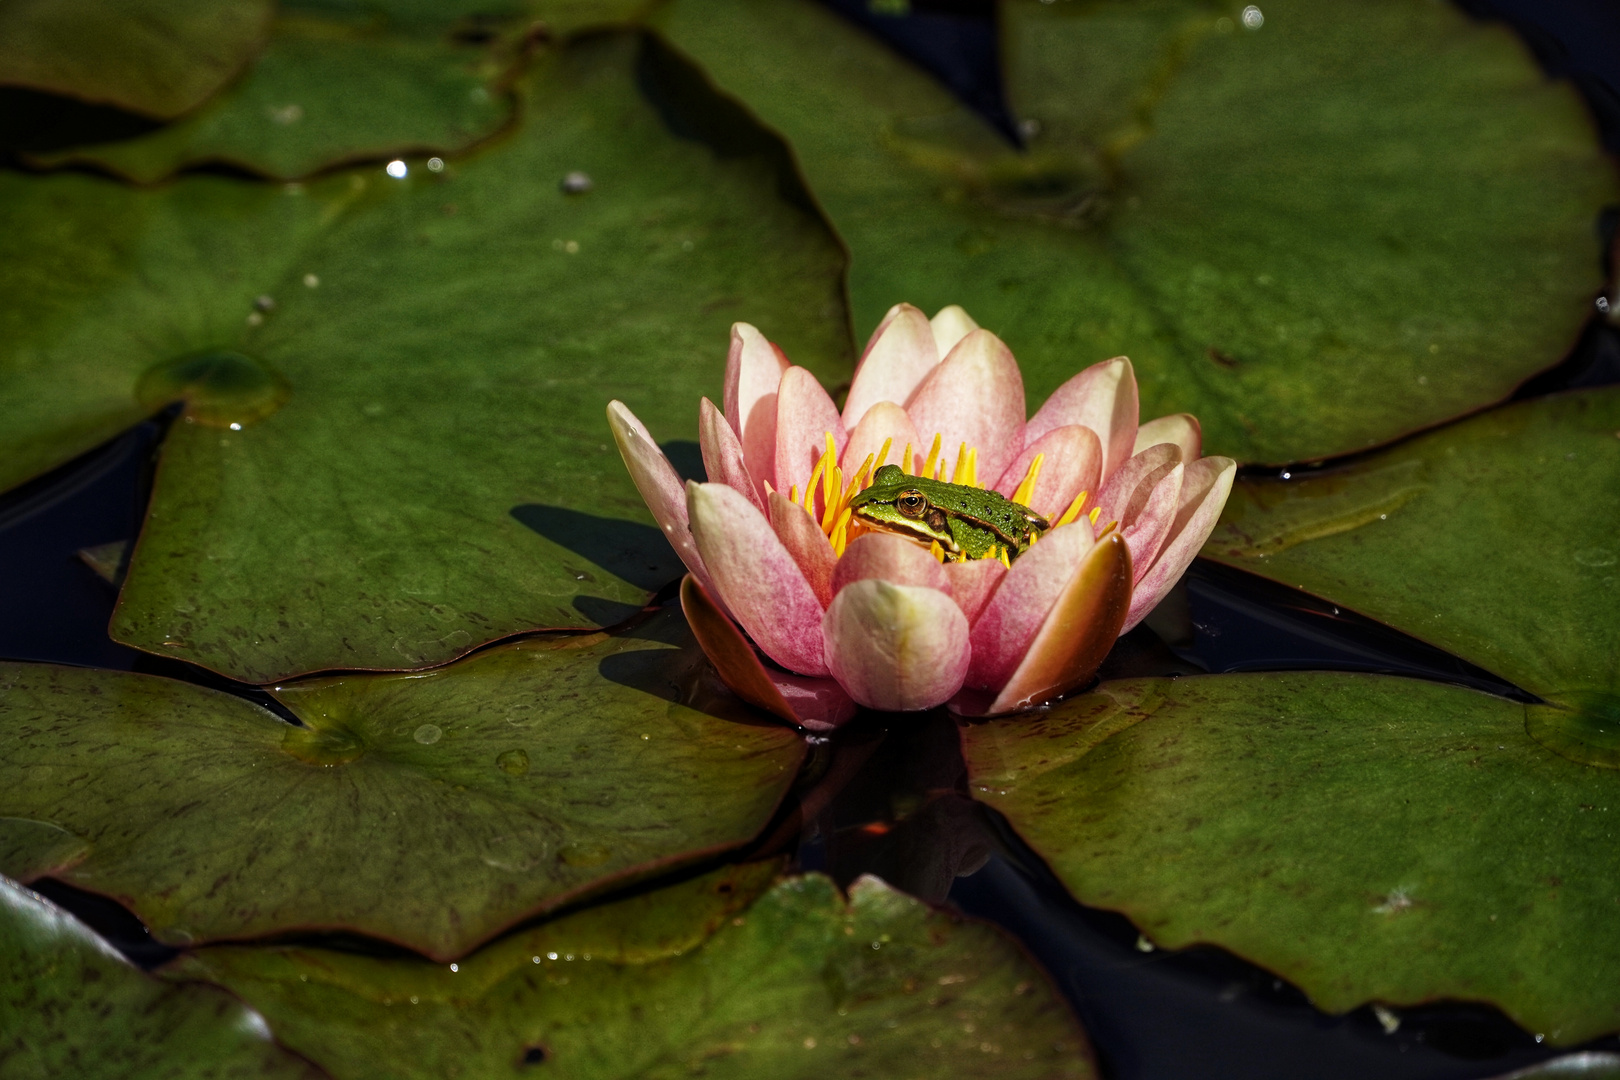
column 893, row 802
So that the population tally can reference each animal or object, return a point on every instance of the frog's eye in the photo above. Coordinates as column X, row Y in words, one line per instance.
column 912, row 504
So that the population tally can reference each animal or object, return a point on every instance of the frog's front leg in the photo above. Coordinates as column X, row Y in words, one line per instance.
column 972, row 541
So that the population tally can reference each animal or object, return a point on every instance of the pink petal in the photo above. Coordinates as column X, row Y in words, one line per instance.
column 900, row 353
column 892, row 558
column 1150, row 528
column 1003, row 631
column 754, row 370
column 975, row 396
column 660, row 487
column 1179, row 428
column 1072, row 464
column 1127, row 492
column 808, row 545
column 1204, row 488
column 882, row 422
column 1077, row 633
column 818, row 704
column 973, row 583
column 756, row 578
column 1103, row 398
column 896, row 647
column 950, row 326
column 723, row 453
column 804, row 415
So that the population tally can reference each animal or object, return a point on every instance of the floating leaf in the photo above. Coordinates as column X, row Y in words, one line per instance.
column 801, row 984
column 1368, row 838
column 71, row 1006
column 1493, row 539
column 1352, row 222
column 328, row 90
column 431, row 809
column 439, row 474
column 158, row 57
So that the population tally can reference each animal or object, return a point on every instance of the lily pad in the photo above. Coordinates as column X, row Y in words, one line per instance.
column 71, row 1006
column 157, row 57
column 801, row 984
column 1318, row 235
column 1367, row 837
column 419, row 368
column 431, row 809
column 1493, row 539
column 329, row 90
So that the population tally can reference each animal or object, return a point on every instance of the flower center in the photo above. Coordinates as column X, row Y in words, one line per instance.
column 826, row 498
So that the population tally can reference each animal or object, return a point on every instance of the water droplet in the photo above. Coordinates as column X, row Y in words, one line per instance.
column 583, row 853
column 1223, row 25
column 1252, row 18
column 810, row 1042
column 1029, row 127
column 265, row 302
column 1595, row 557
column 311, row 281
column 571, row 246
column 514, row 762
column 220, row 389
column 687, row 245
column 428, row 734
column 397, row 169
column 285, row 114
column 1603, row 304
column 576, row 183
column 455, row 967
column 435, row 164
column 1387, row 1020
column 1143, row 944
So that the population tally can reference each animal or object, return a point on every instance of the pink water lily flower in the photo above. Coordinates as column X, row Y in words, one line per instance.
column 847, row 614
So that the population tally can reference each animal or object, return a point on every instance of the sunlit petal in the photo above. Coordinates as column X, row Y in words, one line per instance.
column 1204, row 488
column 1180, row 428
column 1103, row 398
column 975, row 396
column 973, row 583
column 754, row 370
column 660, row 486
column 1071, row 463
column 807, row 544
column 892, row 558
column 1003, row 631
column 723, row 453
column 896, row 647
column 950, row 326
column 804, row 414
column 897, row 358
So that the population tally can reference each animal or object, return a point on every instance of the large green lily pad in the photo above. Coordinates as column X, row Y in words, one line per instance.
column 1493, row 539
column 1355, row 221
column 423, row 463
column 431, row 809
column 1367, row 837
column 72, row 1007
column 801, row 984
column 158, row 57
column 328, row 90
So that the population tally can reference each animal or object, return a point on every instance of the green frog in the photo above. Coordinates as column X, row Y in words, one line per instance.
column 968, row 522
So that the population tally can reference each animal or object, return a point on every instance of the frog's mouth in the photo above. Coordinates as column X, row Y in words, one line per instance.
column 918, row 532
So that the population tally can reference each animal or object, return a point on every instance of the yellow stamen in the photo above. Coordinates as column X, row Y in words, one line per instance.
column 829, row 490
column 1026, row 489
column 936, row 551
column 858, row 483
column 840, row 532
column 835, row 484
column 1001, row 553
column 973, row 467
column 933, row 456
column 1034, row 538
column 905, row 460
column 883, row 455
column 793, row 492
column 810, row 488
column 1096, row 511
column 1073, row 512
column 959, row 474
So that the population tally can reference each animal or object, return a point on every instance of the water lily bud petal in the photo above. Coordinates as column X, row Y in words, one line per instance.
column 884, row 422
column 723, row 453
column 754, row 370
column 975, row 396
column 1149, row 529
column 897, row 358
column 756, row 578
column 1126, row 492
column 1077, row 633
column 1204, row 488
column 1103, row 398
column 807, row 544
column 950, row 326
column 660, row 486
column 1071, row 463
column 1182, row 429
column 973, row 583
column 817, row 704
column 896, row 647
column 1003, row 631
column 804, row 415
column 892, row 558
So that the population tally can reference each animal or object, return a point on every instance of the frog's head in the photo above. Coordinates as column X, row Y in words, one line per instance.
column 898, row 503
